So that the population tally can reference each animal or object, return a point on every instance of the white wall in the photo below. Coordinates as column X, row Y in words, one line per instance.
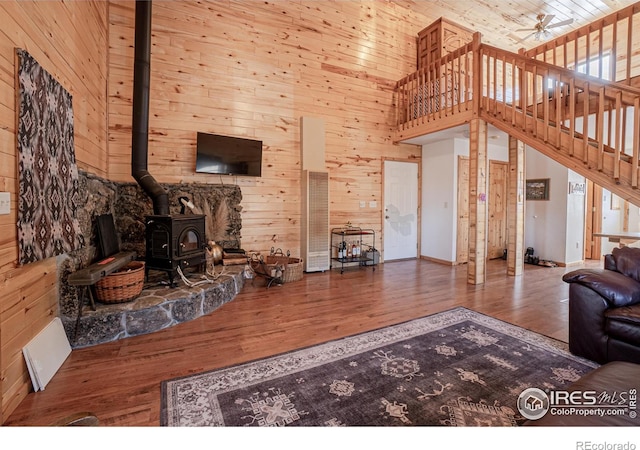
column 612, row 220
column 439, row 190
column 554, row 228
column 576, row 204
column 440, row 194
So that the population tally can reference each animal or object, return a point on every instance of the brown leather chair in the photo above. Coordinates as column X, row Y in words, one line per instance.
column 615, row 378
column 604, row 309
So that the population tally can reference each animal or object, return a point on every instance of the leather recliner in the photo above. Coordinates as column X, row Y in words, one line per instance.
column 604, row 308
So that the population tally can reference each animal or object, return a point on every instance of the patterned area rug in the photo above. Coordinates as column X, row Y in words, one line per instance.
column 455, row 368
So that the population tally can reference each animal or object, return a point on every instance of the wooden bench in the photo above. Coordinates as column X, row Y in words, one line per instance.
column 87, row 277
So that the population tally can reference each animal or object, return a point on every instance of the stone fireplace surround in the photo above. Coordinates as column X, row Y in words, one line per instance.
column 159, row 306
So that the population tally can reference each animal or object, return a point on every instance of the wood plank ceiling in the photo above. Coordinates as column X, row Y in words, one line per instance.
column 500, row 20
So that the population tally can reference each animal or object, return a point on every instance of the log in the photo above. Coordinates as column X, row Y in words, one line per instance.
column 234, row 261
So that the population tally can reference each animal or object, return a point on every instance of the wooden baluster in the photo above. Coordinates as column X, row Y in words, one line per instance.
column 459, row 86
column 442, row 91
column 503, row 63
column 496, row 87
column 429, row 93
column 414, row 98
column 514, row 90
column 546, row 100
column 585, row 123
column 468, row 83
column 613, row 52
column 525, row 78
column 629, row 49
column 600, row 128
column 421, row 98
column 488, row 78
column 618, row 143
column 558, row 97
column 572, row 114
column 600, row 53
column 535, row 101
column 636, row 142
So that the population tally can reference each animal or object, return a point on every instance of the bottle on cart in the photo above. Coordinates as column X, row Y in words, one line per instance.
column 354, row 252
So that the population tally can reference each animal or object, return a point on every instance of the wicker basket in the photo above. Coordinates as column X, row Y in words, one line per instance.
column 292, row 267
column 122, row 285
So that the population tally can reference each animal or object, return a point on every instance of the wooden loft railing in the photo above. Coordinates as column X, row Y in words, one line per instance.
column 443, row 90
column 544, row 106
column 583, row 122
column 616, row 36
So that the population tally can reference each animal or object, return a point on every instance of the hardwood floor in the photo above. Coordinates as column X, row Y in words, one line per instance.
column 119, row 382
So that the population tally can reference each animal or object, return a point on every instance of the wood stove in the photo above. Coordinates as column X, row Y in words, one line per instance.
column 174, row 241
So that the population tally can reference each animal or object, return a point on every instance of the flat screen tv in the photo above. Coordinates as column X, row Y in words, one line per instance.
column 227, row 155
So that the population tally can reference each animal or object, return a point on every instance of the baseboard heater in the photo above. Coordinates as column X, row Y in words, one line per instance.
column 46, row 353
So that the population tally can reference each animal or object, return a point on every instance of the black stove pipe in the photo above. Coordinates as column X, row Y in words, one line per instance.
column 140, row 124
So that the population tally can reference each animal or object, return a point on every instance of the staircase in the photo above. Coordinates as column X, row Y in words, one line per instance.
column 583, row 122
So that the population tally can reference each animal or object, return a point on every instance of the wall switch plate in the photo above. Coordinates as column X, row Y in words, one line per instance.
column 5, row 203
column 373, row 204
column 363, row 204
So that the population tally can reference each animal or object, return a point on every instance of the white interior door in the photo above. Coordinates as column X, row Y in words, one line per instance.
column 400, row 210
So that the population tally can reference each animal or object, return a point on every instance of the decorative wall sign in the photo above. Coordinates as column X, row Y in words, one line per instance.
column 537, row 189
column 47, row 171
column 577, row 188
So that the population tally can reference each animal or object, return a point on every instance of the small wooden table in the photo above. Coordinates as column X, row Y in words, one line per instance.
column 623, row 238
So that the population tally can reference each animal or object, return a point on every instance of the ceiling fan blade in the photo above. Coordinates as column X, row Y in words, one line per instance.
column 526, row 37
column 525, row 29
column 548, row 18
column 561, row 24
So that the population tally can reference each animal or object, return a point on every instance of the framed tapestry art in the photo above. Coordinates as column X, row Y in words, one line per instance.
column 47, row 171
column 537, row 189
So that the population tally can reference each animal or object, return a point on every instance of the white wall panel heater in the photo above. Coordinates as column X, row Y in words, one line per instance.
column 315, row 245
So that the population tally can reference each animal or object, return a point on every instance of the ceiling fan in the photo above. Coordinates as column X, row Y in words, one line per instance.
column 541, row 29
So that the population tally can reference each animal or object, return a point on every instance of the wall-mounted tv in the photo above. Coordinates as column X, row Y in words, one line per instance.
column 227, row 155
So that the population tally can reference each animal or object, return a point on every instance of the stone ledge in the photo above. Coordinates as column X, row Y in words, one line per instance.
column 158, row 307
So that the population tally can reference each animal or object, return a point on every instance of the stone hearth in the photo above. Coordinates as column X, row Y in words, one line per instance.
column 158, row 307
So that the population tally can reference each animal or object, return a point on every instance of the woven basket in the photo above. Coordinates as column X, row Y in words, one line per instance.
column 292, row 267
column 122, row 285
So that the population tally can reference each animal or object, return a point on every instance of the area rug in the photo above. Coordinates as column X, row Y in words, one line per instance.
column 455, row 368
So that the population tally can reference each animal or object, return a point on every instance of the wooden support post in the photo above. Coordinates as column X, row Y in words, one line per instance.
column 515, row 208
column 478, row 187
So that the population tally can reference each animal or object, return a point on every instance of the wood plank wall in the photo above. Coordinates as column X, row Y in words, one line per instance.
column 69, row 40
column 253, row 69
column 244, row 68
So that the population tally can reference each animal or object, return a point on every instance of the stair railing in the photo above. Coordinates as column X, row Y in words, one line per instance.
column 550, row 103
column 615, row 35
